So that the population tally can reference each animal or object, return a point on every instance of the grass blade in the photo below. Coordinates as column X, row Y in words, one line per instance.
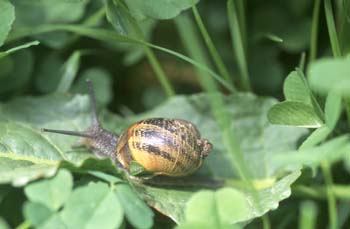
column 238, row 44
column 157, row 68
column 210, row 45
column 110, row 36
column 332, row 208
column 71, row 68
column 15, row 49
column 308, row 212
column 331, row 28
column 314, row 30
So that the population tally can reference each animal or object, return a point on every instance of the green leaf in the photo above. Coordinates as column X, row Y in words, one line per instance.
column 101, row 81
column 173, row 202
column 7, row 17
column 136, row 211
column 93, row 206
column 36, row 213
column 256, row 136
column 294, row 114
column 115, row 17
column 31, row 14
column 25, row 152
column 295, row 89
column 328, row 74
column 51, row 193
column 220, row 208
column 316, row 137
column 19, row 172
column 331, row 151
column 158, row 9
column 332, row 109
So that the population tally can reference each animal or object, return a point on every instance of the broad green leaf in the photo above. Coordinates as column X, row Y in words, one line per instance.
column 158, row 9
column 93, row 206
column 36, row 213
column 327, row 75
column 55, row 221
column 101, row 80
column 27, row 154
column 136, row 211
column 31, row 14
column 7, row 17
column 294, row 114
column 222, row 207
column 256, row 136
column 295, row 89
column 173, row 202
column 331, row 151
column 51, row 193
column 19, row 172
column 204, row 225
column 332, row 109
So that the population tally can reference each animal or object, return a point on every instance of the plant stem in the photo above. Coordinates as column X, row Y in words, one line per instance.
column 302, row 62
column 210, row 45
column 266, row 221
column 242, row 22
column 25, row 225
column 314, row 30
column 308, row 212
column 238, row 44
column 331, row 28
column 159, row 72
column 332, row 208
column 150, row 54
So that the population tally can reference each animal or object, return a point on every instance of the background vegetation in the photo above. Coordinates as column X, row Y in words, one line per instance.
column 222, row 65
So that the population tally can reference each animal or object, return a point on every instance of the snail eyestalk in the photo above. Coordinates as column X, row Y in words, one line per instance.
column 68, row 132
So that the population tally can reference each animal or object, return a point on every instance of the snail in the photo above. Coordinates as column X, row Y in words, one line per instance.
column 171, row 147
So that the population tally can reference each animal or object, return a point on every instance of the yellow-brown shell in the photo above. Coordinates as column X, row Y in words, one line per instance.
column 171, row 147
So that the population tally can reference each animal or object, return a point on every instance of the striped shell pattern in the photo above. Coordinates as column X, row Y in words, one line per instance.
column 171, row 147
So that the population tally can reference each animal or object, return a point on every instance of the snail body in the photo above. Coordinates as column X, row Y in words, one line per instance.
column 171, row 147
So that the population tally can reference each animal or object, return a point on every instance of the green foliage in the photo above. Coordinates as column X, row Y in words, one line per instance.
column 262, row 152
column 328, row 74
column 7, row 17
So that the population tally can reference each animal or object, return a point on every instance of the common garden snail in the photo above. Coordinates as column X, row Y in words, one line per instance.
column 171, row 147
